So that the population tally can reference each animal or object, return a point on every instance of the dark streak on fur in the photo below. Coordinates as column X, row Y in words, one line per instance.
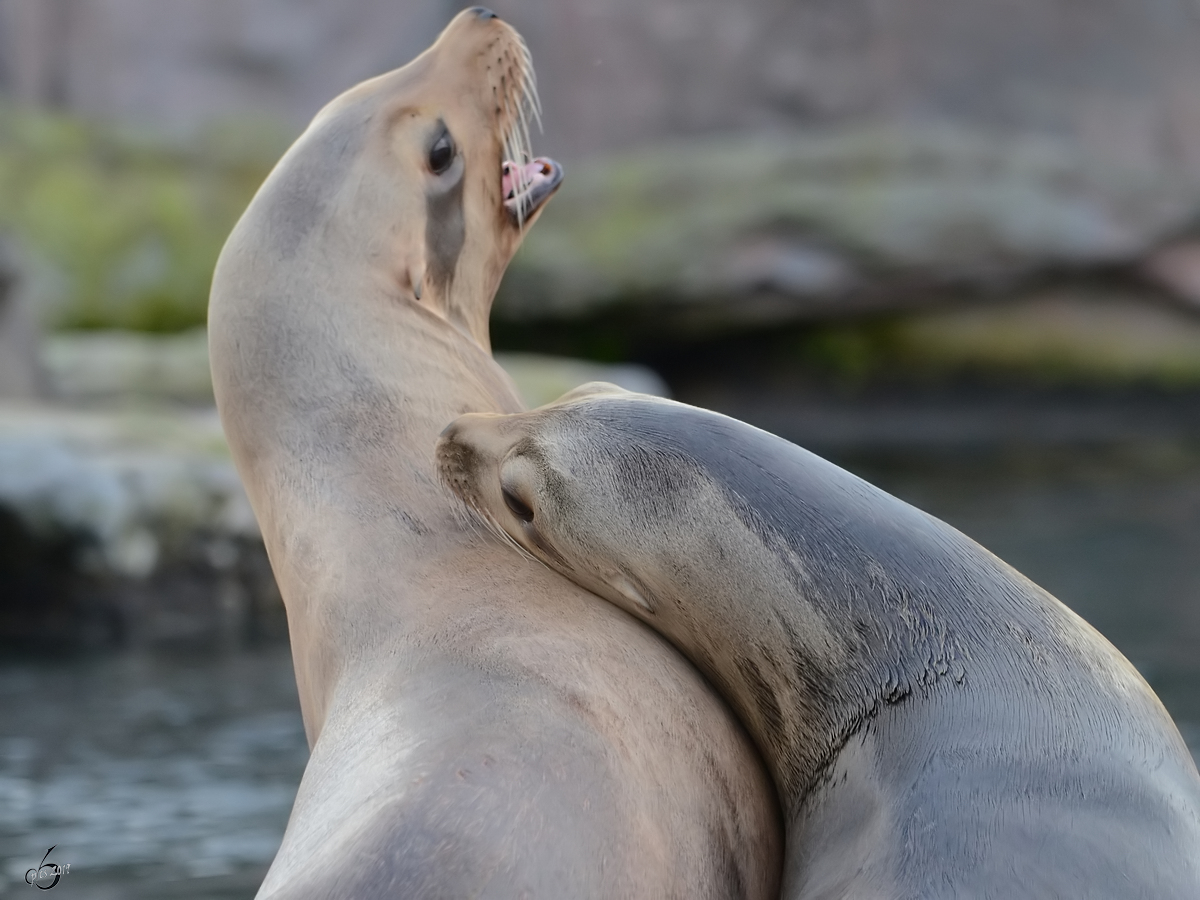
column 804, row 509
column 445, row 232
column 729, row 870
column 764, row 697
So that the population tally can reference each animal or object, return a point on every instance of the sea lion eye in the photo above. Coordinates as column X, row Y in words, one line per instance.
column 516, row 505
column 441, row 154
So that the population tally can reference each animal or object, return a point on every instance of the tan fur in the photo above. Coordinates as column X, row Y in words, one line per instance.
column 479, row 726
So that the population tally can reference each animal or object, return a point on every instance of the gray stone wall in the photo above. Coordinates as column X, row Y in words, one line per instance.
column 1120, row 77
column 21, row 377
column 179, row 63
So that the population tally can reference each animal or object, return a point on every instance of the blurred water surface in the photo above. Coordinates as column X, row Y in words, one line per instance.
column 156, row 774
column 166, row 774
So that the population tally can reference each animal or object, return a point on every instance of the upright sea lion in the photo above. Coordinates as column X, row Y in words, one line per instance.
column 480, row 726
column 936, row 724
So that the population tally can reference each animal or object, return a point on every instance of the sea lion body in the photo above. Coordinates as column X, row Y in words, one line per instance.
column 936, row 724
column 480, row 727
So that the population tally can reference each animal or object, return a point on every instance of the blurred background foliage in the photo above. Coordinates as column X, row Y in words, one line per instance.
column 120, row 227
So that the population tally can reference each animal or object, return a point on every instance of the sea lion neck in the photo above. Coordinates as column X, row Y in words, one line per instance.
column 331, row 420
column 348, row 324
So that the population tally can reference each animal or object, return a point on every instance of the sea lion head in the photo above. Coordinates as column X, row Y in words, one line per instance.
column 421, row 177
column 567, row 484
column 642, row 501
column 665, row 510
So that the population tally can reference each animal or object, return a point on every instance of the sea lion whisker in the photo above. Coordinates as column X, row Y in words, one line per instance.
column 525, row 147
column 495, row 527
column 482, row 516
column 517, row 146
column 469, row 512
column 530, row 87
column 521, row 105
column 464, row 515
column 526, row 144
column 536, row 103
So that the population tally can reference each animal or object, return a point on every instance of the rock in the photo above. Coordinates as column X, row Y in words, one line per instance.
column 119, row 367
column 944, row 142
column 182, row 64
column 146, row 520
column 121, row 479
column 112, row 366
column 1116, row 77
column 1176, row 268
column 121, row 228
column 1101, row 337
column 805, row 226
column 543, row 379
column 20, row 374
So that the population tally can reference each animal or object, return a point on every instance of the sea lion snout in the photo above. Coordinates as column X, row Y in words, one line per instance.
column 469, row 453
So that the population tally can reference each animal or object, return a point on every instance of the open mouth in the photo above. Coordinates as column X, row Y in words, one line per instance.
column 526, row 187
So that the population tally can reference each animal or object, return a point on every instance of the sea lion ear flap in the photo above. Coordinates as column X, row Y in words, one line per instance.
column 410, row 273
column 416, row 278
column 591, row 389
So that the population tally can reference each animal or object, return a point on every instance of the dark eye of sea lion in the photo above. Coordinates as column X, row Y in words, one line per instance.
column 516, row 505
column 441, row 154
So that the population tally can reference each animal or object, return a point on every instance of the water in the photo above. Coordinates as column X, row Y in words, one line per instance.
column 156, row 775
column 171, row 775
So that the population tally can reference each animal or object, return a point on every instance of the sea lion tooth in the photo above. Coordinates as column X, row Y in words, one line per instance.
column 936, row 724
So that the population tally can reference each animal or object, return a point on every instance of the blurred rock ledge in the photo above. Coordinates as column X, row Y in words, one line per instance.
column 126, row 527
column 124, row 522
column 705, row 237
column 125, row 367
column 119, row 228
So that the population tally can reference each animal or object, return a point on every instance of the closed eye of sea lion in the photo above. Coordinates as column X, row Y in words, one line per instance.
column 480, row 727
column 936, row 724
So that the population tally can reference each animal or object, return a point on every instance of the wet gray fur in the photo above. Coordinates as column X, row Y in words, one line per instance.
column 965, row 735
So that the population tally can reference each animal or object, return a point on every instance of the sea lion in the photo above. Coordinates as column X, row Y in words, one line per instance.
column 480, row 726
column 935, row 723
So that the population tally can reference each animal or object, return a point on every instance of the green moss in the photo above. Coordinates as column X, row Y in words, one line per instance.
column 127, row 226
column 1097, row 337
column 1060, row 336
column 706, row 220
column 850, row 353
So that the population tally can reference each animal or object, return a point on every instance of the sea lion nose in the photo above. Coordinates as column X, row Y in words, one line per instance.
column 483, row 12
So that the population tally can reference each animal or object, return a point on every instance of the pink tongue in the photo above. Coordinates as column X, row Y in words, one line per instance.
column 520, row 178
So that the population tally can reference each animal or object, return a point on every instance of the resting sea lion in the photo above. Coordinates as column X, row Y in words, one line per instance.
column 480, row 727
column 936, row 724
